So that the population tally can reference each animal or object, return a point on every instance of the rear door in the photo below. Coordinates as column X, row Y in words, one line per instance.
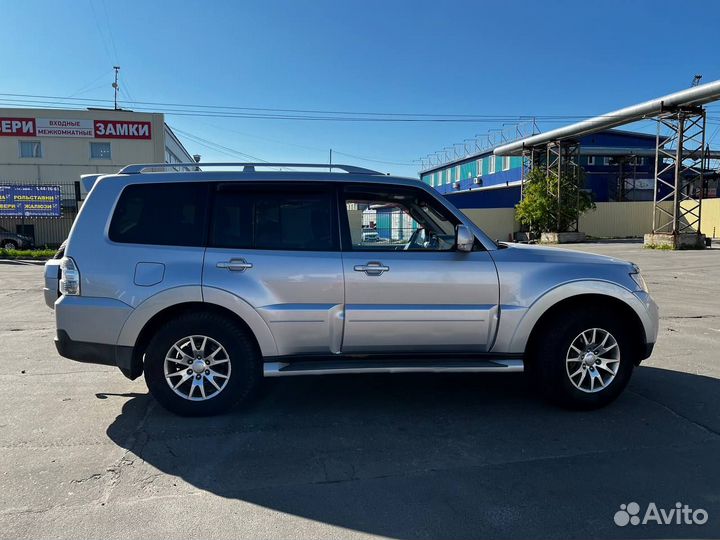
column 276, row 246
column 408, row 289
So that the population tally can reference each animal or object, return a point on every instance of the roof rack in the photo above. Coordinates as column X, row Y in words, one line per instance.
column 247, row 167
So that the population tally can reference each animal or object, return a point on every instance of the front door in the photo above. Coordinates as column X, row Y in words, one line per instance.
column 276, row 247
column 407, row 288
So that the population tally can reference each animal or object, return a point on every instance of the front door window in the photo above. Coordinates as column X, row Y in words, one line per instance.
column 403, row 220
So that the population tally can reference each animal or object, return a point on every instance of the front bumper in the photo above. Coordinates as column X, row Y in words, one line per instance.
column 651, row 322
column 98, row 353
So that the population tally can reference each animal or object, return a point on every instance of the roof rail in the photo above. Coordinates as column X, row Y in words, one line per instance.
column 248, row 167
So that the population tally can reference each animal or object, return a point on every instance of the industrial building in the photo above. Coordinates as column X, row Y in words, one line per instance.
column 51, row 148
column 618, row 166
column 650, row 186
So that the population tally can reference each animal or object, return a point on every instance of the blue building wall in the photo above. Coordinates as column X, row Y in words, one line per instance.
column 500, row 190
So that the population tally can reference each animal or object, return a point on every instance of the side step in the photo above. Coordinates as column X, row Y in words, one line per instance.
column 333, row 367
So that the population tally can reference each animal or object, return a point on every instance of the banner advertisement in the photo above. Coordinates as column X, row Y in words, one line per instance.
column 30, row 201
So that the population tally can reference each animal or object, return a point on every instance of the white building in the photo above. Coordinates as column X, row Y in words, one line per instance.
column 52, row 147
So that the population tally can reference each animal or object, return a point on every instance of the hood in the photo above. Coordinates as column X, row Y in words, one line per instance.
column 525, row 252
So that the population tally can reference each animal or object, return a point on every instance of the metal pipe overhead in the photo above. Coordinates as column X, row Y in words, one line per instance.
column 697, row 95
column 612, row 151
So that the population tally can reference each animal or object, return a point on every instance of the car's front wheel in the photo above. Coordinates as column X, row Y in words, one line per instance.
column 585, row 358
column 201, row 364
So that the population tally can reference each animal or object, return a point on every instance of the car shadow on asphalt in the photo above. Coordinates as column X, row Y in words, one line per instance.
column 453, row 456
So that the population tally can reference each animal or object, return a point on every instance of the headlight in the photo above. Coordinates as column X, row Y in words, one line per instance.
column 637, row 278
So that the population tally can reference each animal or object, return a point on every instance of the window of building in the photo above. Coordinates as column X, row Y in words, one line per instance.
column 591, row 160
column 170, row 157
column 448, row 175
column 284, row 219
column 100, row 150
column 160, row 214
column 480, row 167
column 457, row 173
column 506, row 163
column 491, row 165
column 30, row 149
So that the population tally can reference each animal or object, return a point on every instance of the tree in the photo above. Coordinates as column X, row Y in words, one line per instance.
column 541, row 211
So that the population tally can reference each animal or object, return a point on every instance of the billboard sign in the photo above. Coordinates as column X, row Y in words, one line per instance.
column 17, row 127
column 68, row 127
column 30, row 201
column 121, row 129
column 58, row 127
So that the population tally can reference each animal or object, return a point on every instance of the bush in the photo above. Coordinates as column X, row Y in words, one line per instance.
column 34, row 254
column 539, row 212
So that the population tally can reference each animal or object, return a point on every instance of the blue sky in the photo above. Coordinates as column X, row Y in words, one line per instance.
column 484, row 58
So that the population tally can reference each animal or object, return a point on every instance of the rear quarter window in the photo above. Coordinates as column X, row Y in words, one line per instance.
column 168, row 214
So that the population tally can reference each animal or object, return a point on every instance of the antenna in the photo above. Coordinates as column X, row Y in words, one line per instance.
column 115, row 85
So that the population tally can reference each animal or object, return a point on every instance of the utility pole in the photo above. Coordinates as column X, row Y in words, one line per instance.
column 115, row 85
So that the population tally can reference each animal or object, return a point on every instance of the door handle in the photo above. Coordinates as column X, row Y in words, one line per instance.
column 235, row 265
column 372, row 268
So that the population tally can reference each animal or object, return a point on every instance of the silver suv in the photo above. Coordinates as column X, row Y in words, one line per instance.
column 208, row 281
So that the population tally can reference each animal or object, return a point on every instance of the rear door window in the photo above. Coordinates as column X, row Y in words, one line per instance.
column 168, row 214
column 285, row 218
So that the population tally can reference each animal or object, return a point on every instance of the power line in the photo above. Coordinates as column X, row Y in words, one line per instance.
column 297, row 114
column 219, row 147
column 86, row 88
column 306, row 147
column 373, row 160
column 102, row 34
column 110, row 32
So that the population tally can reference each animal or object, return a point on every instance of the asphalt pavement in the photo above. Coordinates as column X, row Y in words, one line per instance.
column 85, row 452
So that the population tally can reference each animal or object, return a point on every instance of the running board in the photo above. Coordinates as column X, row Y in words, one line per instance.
column 334, row 367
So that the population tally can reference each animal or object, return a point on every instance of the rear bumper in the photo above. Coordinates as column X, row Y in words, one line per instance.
column 99, row 353
column 52, row 277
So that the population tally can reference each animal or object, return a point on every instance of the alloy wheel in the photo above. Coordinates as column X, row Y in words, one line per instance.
column 593, row 360
column 197, row 368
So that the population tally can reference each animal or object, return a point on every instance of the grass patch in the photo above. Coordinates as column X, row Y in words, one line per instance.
column 665, row 247
column 34, row 254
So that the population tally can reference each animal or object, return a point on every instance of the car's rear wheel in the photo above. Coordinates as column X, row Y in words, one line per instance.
column 584, row 359
column 201, row 364
column 9, row 244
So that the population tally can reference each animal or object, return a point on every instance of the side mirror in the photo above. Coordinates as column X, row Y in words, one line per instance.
column 464, row 239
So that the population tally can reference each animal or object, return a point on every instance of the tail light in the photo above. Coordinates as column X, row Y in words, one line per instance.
column 69, row 277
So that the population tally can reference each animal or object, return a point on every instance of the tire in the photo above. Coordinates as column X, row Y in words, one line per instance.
column 561, row 377
column 9, row 244
column 231, row 374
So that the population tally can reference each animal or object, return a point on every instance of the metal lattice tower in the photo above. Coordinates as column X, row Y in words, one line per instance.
column 563, row 161
column 531, row 158
column 680, row 161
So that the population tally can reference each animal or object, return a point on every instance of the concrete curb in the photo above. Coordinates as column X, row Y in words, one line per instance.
column 23, row 262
